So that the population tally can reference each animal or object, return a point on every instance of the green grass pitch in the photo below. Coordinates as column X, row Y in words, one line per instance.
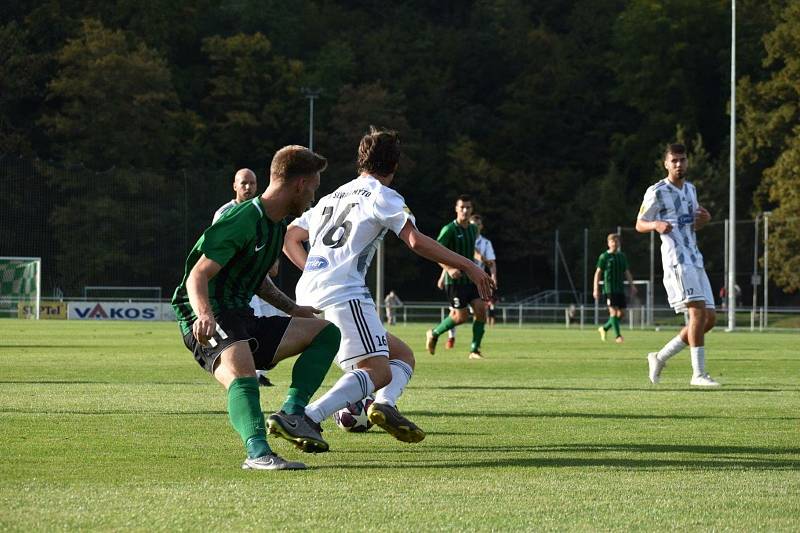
column 113, row 426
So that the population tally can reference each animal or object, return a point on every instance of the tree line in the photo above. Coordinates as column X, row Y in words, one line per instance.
column 551, row 114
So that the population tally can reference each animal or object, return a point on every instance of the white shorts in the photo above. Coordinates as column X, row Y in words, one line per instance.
column 687, row 283
column 263, row 308
column 363, row 334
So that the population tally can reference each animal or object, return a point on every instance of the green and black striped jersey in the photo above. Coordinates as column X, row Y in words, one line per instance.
column 462, row 241
column 246, row 243
column 613, row 267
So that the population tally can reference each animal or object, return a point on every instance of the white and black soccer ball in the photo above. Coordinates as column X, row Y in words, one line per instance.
column 353, row 418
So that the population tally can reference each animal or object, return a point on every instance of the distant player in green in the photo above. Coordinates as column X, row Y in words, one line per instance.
column 459, row 236
column 225, row 268
column 613, row 266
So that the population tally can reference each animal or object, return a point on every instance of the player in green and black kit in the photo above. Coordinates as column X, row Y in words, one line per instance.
column 227, row 265
column 459, row 236
column 613, row 266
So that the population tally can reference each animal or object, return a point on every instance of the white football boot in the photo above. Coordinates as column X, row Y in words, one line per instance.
column 271, row 461
column 656, row 366
column 703, row 380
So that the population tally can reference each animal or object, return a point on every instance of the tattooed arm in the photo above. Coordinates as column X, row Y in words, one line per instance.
column 272, row 294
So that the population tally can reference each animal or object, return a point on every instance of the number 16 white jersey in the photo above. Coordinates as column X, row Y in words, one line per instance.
column 344, row 229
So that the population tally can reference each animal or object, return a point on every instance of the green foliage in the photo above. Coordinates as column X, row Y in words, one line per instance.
column 246, row 104
column 112, row 98
column 609, row 200
column 492, row 188
column 23, row 76
column 101, row 212
column 770, row 142
column 783, row 179
column 670, row 63
column 536, row 107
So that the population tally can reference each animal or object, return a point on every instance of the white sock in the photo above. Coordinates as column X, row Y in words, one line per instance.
column 671, row 348
column 260, row 373
column 451, row 333
column 698, row 360
column 352, row 387
column 401, row 375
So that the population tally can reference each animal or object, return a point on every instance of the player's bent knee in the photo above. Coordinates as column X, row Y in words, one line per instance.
column 479, row 308
column 460, row 316
column 303, row 332
column 400, row 350
column 234, row 362
column 711, row 319
column 378, row 369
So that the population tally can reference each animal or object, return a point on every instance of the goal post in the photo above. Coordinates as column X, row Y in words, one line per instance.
column 20, row 287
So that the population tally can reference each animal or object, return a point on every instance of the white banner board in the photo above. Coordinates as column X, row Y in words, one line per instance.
column 114, row 311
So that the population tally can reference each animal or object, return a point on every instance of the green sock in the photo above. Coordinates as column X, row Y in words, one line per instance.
column 310, row 368
column 616, row 326
column 478, row 327
column 244, row 412
column 446, row 324
column 609, row 323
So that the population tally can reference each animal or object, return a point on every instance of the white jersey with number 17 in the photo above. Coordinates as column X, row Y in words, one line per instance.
column 664, row 201
column 344, row 229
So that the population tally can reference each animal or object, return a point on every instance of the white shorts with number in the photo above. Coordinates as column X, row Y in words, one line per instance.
column 363, row 334
column 687, row 283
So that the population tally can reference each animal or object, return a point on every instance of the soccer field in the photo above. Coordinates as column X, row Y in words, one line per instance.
column 114, row 426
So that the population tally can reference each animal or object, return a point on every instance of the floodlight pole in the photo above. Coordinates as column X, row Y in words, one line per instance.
column 311, row 94
column 732, row 185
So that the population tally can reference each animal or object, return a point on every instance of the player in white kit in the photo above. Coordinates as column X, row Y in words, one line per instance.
column 670, row 207
column 343, row 230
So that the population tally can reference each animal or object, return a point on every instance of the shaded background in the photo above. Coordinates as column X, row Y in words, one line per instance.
column 122, row 123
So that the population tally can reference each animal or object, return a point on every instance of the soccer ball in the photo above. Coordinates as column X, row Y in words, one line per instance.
column 353, row 418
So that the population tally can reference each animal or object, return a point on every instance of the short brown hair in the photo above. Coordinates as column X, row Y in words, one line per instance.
column 464, row 198
column 379, row 151
column 614, row 236
column 674, row 148
column 294, row 161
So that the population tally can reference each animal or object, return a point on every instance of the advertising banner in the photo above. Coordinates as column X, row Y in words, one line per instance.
column 114, row 311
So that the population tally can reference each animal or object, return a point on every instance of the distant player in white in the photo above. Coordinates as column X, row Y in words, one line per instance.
column 245, row 185
column 391, row 302
column 485, row 259
column 344, row 229
column 670, row 207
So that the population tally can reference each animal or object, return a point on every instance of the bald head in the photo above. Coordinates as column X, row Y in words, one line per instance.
column 244, row 184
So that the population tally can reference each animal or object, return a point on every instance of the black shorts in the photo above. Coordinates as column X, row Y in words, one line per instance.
column 263, row 334
column 616, row 299
column 461, row 295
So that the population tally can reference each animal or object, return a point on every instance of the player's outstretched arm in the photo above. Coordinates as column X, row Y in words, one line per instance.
column 197, row 290
column 428, row 248
column 293, row 246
